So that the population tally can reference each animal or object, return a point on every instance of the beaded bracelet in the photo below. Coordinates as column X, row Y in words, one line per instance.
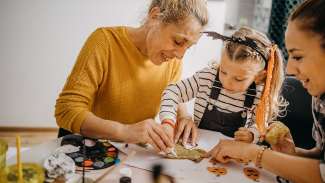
column 258, row 162
column 168, row 122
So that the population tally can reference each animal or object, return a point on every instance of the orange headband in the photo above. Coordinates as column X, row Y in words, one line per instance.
column 263, row 106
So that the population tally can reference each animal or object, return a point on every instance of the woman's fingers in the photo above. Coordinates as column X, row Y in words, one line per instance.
column 148, row 131
column 155, row 138
column 222, row 159
column 163, row 135
column 219, row 152
column 153, row 145
column 243, row 134
column 169, row 131
column 219, row 156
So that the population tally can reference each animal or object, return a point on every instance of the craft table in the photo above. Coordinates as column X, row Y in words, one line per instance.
column 181, row 170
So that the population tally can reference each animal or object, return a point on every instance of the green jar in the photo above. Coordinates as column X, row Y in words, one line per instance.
column 3, row 152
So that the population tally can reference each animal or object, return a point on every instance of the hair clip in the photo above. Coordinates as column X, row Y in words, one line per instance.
column 240, row 40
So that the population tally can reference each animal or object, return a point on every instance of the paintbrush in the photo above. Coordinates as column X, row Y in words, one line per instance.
column 84, row 158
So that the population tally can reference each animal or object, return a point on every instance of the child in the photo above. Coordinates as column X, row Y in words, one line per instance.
column 226, row 95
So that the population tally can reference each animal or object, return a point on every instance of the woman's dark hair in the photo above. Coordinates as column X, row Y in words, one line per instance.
column 311, row 17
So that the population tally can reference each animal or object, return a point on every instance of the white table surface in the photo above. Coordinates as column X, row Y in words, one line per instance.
column 184, row 170
column 38, row 153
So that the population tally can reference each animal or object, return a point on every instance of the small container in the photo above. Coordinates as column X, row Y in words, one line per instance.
column 125, row 180
column 126, row 174
column 3, row 152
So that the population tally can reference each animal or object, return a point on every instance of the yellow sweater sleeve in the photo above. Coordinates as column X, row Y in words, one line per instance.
column 78, row 94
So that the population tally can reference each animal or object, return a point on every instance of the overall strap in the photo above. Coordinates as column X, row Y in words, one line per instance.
column 250, row 96
column 216, row 87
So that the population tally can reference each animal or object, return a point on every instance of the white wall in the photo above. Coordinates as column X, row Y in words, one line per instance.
column 40, row 40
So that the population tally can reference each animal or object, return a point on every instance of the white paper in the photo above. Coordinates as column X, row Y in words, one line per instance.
column 186, row 170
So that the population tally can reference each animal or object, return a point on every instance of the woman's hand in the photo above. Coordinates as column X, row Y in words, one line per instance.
column 227, row 150
column 185, row 127
column 169, row 130
column 284, row 143
column 244, row 135
column 148, row 131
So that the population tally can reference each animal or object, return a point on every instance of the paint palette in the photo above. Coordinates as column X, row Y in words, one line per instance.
column 93, row 154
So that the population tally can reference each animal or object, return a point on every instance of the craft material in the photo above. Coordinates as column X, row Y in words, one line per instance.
column 19, row 165
column 218, row 171
column 252, row 173
column 84, row 157
column 116, row 166
column 181, row 152
column 125, row 180
column 32, row 173
column 159, row 176
column 59, row 164
column 99, row 154
column 185, row 171
column 277, row 131
column 238, row 160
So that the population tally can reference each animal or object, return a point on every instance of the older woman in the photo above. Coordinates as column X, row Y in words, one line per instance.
column 114, row 89
column 305, row 42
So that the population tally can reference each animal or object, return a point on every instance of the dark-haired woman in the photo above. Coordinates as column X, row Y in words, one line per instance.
column 305, row 42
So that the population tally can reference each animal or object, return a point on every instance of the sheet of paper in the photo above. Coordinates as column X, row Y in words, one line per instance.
column 186, row 170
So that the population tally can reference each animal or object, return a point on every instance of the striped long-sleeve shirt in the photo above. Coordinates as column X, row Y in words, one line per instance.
column 199, row 87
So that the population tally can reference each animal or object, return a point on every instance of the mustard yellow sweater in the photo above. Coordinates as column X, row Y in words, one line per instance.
column 114, row 81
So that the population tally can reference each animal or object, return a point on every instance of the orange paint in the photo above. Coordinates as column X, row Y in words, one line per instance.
column 88, row 163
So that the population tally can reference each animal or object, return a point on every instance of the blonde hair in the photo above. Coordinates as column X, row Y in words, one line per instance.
column 239, row 52
column 174, row 11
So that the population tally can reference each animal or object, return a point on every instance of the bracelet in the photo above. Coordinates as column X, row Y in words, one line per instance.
column 258, row 162
column 184, row 117
column 168, row 122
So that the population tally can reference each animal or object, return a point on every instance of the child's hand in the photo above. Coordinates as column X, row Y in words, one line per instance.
column 186, row 127
column 244, row 135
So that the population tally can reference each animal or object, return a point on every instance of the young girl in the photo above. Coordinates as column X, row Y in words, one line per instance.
column 226, row 95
